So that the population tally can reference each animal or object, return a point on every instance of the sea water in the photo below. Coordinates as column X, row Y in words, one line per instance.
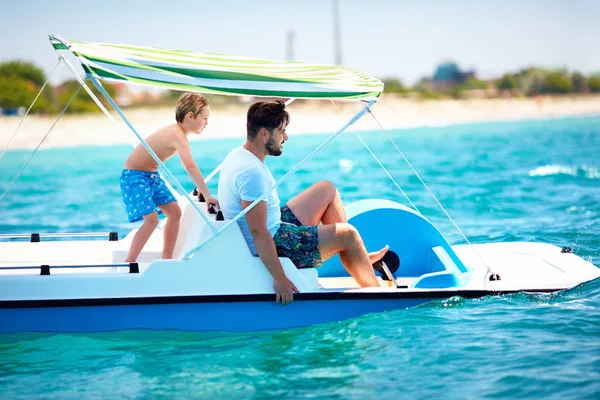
column 513, row 181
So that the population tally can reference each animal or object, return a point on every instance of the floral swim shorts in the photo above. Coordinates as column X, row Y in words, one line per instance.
column 299, row 243
column 143, row 192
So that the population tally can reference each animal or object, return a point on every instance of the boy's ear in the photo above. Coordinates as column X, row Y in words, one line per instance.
column 190, row 115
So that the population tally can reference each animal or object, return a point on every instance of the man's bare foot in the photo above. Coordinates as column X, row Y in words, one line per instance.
column 378, row 255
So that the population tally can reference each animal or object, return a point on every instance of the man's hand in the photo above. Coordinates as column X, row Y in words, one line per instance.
column 212, row 200
column 265, row 247
column 284, row 289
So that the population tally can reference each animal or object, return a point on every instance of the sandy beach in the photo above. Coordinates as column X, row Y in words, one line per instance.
column 307, row 117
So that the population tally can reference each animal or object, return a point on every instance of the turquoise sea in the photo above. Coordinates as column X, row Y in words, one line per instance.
column 535, row 180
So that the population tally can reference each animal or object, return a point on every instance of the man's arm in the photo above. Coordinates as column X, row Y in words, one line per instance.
column 265, row 247
column 185, row 154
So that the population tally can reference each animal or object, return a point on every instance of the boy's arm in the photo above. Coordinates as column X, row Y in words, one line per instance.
column 185, row 155
column 265, row 247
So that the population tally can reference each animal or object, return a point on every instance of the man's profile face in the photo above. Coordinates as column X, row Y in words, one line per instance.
column 277, row 138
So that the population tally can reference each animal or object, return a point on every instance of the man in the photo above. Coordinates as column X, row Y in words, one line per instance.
column 294, row 230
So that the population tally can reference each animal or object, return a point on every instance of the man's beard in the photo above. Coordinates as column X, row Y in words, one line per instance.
column 272, row 150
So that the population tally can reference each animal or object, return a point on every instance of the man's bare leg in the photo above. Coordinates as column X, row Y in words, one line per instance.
column 319, row 203
column 344, row 239
column 142, row 236
column 173, row 213
column 378, row 255
column 322, row 203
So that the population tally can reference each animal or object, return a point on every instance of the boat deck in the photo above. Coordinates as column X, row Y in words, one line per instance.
column 97, row 257
column 350, row 283
column 80, row 252
column 57, row 253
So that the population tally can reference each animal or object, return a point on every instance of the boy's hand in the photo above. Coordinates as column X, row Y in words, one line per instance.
column 212, row 200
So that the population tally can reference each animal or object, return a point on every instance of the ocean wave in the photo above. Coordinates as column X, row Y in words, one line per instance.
column 556, row 169
column 345, row 165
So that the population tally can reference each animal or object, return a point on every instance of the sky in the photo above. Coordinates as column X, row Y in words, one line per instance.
column 388, row 38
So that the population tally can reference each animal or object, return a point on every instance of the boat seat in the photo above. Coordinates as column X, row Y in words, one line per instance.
column 153, row 248
column 56, row 252
column 194, row 230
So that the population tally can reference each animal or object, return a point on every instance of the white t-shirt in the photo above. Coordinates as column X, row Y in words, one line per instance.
column 244, row 177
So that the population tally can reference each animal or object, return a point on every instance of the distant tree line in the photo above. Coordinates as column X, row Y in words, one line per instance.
column 535, row 81
column 449, row 81
column 21, row 81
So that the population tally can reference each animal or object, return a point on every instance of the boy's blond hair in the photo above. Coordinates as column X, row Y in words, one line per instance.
column 189, row 102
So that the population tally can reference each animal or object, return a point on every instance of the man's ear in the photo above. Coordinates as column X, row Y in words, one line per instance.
column 264, row 134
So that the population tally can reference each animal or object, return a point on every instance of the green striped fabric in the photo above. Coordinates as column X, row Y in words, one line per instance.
column 220, row 74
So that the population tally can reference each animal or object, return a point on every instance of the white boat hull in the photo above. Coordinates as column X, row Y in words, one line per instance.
column 224, row 288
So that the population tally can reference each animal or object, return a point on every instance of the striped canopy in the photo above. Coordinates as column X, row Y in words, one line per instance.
column 220, row 74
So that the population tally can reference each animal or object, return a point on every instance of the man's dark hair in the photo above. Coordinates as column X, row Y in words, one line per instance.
column 269, row 115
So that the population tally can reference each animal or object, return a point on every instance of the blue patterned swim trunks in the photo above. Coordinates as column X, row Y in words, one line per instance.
column 143, row 192
column 299, row 243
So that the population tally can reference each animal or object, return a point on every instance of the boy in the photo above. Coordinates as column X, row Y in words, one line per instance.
column 142, row 188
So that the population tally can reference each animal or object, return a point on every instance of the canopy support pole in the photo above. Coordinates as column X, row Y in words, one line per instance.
column 89, row 91
column 140, row 138
column 290, row 172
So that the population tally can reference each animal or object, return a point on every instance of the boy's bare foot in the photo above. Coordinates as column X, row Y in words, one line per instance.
column 378, row 255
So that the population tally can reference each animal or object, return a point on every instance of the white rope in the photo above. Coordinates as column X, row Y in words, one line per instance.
column 38, row 146
column 380, row 164
column 431, row 193
column 29, row 109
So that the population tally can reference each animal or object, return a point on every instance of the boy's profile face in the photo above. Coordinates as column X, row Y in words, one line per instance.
column 198, row 124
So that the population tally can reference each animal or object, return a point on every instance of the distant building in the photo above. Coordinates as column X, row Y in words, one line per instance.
column 290, row 46
column 17, row 111
column 123, row 96
column 447, row 75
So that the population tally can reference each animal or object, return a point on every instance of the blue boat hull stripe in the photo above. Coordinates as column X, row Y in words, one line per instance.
column 468, row 294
